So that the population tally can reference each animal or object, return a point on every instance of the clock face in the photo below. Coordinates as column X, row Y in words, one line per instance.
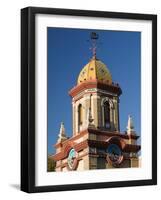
column 72, row 159
column 114, row 154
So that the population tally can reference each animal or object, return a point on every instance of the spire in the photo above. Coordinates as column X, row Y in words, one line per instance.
column 62, row 136
column 130, row 126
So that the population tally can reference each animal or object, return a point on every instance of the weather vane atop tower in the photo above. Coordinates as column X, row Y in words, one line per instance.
column 94, row 37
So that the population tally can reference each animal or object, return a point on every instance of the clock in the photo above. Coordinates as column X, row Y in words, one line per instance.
column 114, row 155
column 72, row 161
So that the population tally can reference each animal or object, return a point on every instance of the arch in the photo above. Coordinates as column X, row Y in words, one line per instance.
column 107, row 106
column 116, row 140
column 106, row 110
column 109, row 100
column 67, row 148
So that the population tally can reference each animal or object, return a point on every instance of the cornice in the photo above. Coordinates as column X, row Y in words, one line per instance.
column 114, row 88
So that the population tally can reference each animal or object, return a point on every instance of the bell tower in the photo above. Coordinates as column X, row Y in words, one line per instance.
column 95, row 95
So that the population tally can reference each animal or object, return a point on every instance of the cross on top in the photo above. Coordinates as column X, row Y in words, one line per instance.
column 94, row 37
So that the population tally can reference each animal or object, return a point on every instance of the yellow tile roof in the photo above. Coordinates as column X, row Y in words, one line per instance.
column 94, row 70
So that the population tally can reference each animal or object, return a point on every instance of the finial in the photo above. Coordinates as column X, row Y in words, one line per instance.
column 62, row 136
column 94, row 37
column 130, row 126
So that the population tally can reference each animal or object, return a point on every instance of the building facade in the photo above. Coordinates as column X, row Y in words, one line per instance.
column 97, row 142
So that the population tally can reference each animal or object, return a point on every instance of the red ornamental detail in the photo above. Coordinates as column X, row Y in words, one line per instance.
column 114, row 151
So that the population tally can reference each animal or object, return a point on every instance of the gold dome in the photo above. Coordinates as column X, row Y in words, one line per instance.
column 95, row 70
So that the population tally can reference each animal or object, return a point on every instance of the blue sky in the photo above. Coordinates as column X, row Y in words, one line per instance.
column 69, row 50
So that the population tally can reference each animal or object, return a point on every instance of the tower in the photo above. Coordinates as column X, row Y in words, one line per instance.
column 96, row 141
column 95, row 93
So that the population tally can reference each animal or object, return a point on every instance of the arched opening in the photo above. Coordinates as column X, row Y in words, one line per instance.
column 80, row 116
column 106, row 113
